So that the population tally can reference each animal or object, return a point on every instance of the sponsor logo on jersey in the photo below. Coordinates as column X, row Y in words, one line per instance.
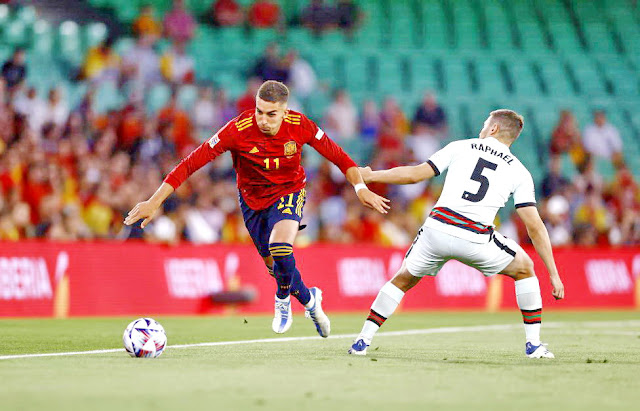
column 214, row 140
column 290, row 148
column 254, row 150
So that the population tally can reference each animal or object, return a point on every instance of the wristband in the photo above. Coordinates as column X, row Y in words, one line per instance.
column 359, row 187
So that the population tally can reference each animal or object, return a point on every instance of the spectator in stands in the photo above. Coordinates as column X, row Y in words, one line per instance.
column 141, row 65
column 370, row 121
column 429, row 119
column 554, row 181
column 602, row 139
column 32, row 108
column 14, row 71
column 566, row 138
column 146, row 23
column 248, row 100
column 318, row 17
column 341, row 118
column 179, row 25
column 271, row 65
column 302, row 78
column 206, row 116
column 102, row 63
column 593, row 213
column 57, row 109
column 226, row 107
column 347, row 16
column 264, row 14
column 180, row 125
column 557, row 220
column 227, row 13
column 177, row 66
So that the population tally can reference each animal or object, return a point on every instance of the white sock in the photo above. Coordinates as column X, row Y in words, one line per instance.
column 311, row 302
column 530, row 304
column 383, row 306
column 283, row 300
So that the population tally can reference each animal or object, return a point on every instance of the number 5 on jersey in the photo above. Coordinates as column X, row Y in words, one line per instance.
column 480, row 178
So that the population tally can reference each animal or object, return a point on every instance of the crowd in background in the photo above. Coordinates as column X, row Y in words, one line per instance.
column 70, row 173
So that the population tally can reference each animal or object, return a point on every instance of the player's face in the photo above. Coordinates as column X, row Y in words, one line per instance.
column 269, row 116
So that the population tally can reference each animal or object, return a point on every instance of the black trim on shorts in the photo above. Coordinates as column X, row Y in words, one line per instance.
column 435, row 169
column 504, row 248
column 525, row 205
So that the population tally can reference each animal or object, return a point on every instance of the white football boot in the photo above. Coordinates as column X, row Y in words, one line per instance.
column 538, row 351
column 320, row 319
column 283, row 317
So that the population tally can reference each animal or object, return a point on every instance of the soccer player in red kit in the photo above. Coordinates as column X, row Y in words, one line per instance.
column 266, row 146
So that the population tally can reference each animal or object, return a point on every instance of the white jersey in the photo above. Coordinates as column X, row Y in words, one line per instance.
column 482, row 175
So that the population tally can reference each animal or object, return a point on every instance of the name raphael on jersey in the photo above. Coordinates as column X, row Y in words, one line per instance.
column 483, row 147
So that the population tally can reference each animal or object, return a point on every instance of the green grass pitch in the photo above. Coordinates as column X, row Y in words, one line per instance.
column 596, row 367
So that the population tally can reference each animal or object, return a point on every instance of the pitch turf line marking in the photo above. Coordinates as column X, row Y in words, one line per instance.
column 440, row 330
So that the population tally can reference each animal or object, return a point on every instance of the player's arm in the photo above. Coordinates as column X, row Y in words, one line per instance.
column 208, row 151
column 332, row 152
column 399, row 175
column 540, row 239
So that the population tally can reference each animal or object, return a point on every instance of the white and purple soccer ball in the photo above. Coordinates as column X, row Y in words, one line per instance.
column 144, row 337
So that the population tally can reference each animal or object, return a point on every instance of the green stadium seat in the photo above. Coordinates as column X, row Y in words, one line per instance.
column 187, row 96
column 15, row 34
column 94, row 34
column 157, row 97
column 107, row 97
column 43, row 39
column 26, row 14
column 5, row 14
column 435, row 26
column 69, row 42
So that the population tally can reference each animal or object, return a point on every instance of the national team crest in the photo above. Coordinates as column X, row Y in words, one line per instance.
column 290, row 148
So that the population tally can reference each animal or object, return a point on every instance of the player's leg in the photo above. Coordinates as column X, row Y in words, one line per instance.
column 268, row 262
column 528, row 297
column 423, row 258
column 289, row 278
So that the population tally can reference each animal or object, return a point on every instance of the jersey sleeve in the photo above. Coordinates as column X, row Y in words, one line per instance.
column 524, row 194
column 317, row 139
column 209, row 150
column 441, row 159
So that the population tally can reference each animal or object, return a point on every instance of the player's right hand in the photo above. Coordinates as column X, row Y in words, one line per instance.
column 365, row 172
column 142, row 210
column 372, row 200
column 558, row 288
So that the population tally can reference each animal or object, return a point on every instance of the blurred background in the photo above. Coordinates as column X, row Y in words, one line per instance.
column 101, row 98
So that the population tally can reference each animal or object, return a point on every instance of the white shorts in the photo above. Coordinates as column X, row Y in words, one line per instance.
column 432, row 249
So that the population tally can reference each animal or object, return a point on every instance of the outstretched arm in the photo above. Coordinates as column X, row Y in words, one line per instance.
column 399, row 175
column 367, row 198
column 332, row 152
column 189, row 165
column 540, row 238
column 147, row 209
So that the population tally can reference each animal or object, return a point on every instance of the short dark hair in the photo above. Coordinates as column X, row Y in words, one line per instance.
column 511, row 123
column 273, row 92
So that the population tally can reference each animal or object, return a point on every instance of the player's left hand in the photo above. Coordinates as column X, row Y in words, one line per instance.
column 370, row 199
column 558, row 288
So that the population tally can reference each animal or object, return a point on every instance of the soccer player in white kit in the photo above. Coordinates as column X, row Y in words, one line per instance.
column 482, row 175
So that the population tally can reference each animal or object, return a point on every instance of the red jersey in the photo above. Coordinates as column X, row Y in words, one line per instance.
column 267, row 167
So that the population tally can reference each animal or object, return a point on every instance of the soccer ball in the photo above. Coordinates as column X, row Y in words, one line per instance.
column 144, row 337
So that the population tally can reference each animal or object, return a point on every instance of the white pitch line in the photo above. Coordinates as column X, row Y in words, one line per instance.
column 440, row 330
